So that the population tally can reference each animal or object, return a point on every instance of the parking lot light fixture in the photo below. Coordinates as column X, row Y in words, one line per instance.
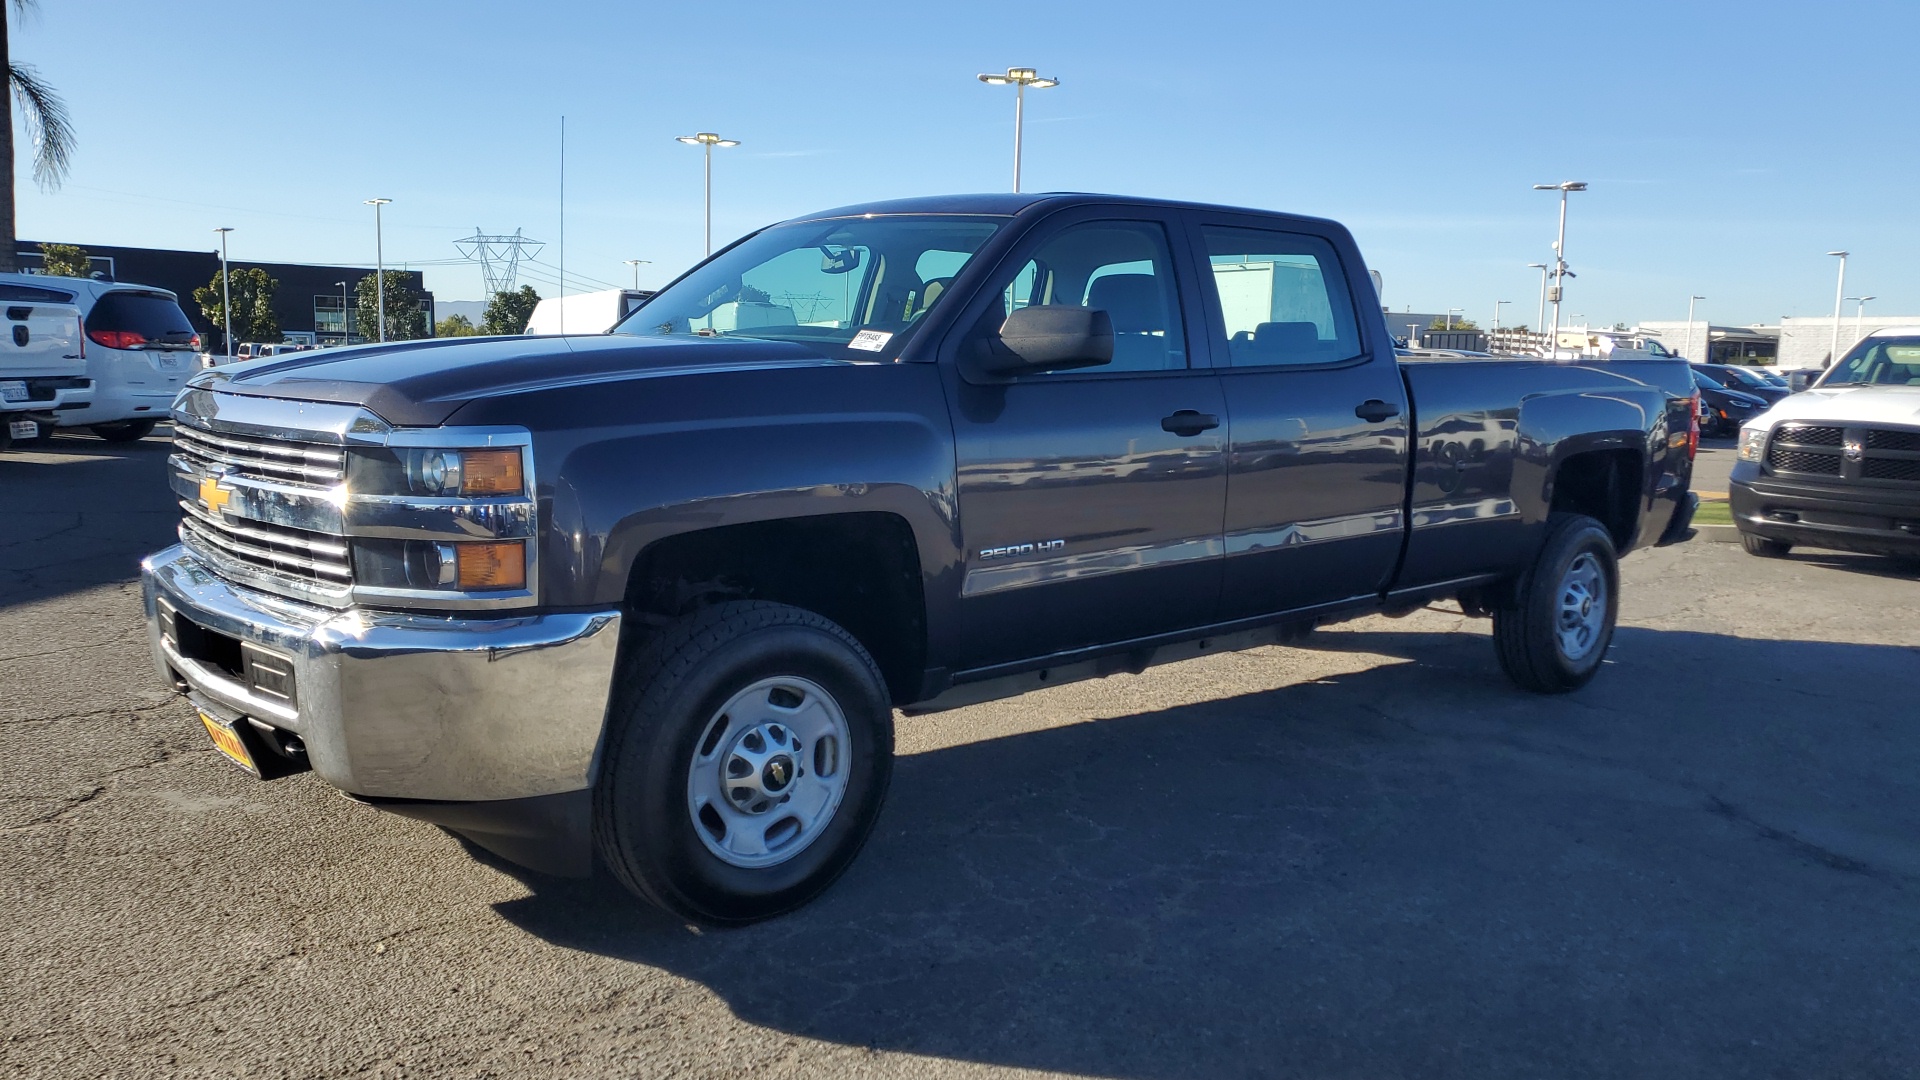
column 1540, row 320
column 1839, row 293
column 706, row 141
column 226, row 291
column 1560, row 255
column 1860, row 313
column 379, row 268
column 1450, row 312
column 1019, row 78
column 1497, row 305
column 1688, row 355
column 345, row 321
column 637, row 264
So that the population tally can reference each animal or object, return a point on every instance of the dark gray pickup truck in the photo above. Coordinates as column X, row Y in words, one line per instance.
column 649, row 598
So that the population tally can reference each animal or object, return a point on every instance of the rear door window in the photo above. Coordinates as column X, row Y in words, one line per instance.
column 126, row 320
column 1282, row 297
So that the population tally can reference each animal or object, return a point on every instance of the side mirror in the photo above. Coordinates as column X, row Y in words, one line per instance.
column 1049, row 338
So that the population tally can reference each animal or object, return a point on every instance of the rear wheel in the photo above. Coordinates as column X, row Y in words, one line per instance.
column 1763, row 547
column 123, row 431
column 749, row 747
column 1553, row 635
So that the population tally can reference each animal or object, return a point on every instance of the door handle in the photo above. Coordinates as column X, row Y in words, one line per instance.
column 1376, row 411
column 1188, row 422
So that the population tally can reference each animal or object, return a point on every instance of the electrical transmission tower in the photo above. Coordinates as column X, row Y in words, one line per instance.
column 499, row 257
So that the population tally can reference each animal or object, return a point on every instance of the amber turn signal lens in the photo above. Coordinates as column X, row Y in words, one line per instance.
column 497, row 565
column 490, row 472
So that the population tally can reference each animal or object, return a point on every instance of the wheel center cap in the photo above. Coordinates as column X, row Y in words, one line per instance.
column 777, row 774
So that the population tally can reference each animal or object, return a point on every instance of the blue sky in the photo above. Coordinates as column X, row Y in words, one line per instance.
column 1729, row 144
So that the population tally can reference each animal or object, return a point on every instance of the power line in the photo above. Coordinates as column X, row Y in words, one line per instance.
column 499, row 257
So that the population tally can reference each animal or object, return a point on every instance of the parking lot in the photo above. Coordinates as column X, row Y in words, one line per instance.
column 1369, row 857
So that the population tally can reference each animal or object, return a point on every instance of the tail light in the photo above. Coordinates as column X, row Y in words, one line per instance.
column 118, row 339
column 81, row 325
column 195, row 342
column 1693, row 426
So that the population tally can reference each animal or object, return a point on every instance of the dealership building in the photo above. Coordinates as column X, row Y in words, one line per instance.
column 311, row 302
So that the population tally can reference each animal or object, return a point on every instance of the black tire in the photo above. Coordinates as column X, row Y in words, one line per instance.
column 123, row 431
column 1763, row 547
column 1526, row 632
column 666, row 694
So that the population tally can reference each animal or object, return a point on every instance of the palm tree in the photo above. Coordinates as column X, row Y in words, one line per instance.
column 45, row 117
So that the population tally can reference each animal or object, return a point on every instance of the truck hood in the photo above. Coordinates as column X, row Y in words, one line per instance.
column 421, row 383
column 1849, row 405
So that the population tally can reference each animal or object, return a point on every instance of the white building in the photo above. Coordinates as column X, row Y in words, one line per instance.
column 1712, row 344
column 1808, row 342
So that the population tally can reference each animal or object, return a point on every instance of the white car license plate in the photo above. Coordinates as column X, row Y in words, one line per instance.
column 167, row 361
column 23, row 429
column 13, row 390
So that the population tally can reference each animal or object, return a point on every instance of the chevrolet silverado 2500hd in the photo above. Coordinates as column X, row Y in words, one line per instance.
column 651, row 597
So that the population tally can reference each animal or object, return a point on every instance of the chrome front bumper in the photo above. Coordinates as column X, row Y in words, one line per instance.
column 391, row 705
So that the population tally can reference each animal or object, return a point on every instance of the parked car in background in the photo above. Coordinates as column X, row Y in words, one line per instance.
column 1745, row 380
column 43, row 366
column 140, row 350
column 1723, row 410
column 1838, row 466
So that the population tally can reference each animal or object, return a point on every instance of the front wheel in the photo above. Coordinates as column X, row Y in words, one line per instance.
column 748, row 750
column 1556, row 630
column 124, row 431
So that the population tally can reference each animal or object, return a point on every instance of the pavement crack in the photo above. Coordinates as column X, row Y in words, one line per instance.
column 1805, row 848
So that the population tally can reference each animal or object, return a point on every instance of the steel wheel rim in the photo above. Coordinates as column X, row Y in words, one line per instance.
column 1580, row 617
column 769, row 772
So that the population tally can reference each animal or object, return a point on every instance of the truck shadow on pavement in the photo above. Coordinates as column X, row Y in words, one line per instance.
column 77, row 512
column 1410, row 869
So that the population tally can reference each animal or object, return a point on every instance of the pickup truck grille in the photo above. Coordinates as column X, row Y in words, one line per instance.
column 1847, row 454
column 1784, row 459
column 259, row 545
column 255, row 458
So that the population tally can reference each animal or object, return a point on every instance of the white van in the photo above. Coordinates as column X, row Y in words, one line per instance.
column 140, row 351
column 43, row 373
column 584, row 313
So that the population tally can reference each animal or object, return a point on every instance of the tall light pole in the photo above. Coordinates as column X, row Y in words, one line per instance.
column 1839, row 292
column 1690, row 302
column 345, row 319
column 226, row 290
column 1497, row 305
column 1540, row 320
column 379, row 268
column 1450, row 312
column 706, row 141
column 1560, row 254
column 1020, row 78
column 637, row 264
column 1859, row 313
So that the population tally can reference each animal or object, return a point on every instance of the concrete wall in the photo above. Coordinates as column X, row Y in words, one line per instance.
column 1805, row 343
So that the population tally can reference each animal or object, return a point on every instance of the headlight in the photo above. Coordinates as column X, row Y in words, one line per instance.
column 1753, row 443
column 436, row 473
column 440, row 565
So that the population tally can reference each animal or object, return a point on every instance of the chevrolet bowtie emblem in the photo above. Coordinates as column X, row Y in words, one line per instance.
column 213, row 496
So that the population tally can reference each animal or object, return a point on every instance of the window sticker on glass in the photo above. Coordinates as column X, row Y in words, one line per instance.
column 870, row 340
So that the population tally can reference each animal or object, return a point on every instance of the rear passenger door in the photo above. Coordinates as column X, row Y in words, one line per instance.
column 1090, row 500
column 1317, row 467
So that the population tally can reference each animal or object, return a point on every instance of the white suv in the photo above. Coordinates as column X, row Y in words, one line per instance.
column 140, row 350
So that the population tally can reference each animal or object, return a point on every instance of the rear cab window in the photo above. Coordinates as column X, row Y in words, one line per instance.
column 1281, row 298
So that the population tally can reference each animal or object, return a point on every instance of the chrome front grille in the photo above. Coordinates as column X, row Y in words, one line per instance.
column 255, row 458
column 277, row 549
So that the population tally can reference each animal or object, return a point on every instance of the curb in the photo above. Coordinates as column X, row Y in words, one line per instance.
column 1719, row 534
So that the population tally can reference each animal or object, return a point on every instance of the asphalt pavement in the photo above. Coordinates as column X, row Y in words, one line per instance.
column 1370, row 857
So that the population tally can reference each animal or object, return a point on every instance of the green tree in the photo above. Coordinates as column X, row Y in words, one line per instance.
column 1458, row 324
column 45, row 118
column 406, row 319
column 508, row 312
column 253, row 318
column 454, row 326
column 65, row 260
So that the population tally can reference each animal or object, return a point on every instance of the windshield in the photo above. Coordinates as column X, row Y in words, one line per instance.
column 1878, row 362
column 1746, row 378
column 847, row 287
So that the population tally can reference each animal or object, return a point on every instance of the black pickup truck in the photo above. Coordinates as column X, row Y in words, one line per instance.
column 650, row 598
